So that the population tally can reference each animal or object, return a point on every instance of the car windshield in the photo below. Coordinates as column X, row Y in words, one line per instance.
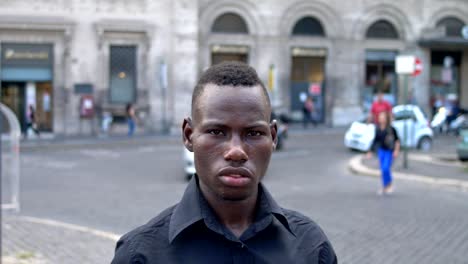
column 403, row 114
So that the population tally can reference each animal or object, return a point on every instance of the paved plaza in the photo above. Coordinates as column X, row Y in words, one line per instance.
column 102, row 191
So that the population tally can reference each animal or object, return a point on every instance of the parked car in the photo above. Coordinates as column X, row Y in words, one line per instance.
column 462, row 147
column 189, row 164
column 360, row 135
column 282, row 122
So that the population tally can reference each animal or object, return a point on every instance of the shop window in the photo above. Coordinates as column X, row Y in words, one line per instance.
column 308, row 69
column 380, row 76
column 445, row 72
column 308, row 26
column 382, row 30
column 452, row 25
column 230, row 23
column 122, row 74
column 220, row 57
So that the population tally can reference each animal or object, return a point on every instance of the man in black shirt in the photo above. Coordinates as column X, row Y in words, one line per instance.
column 226, row 214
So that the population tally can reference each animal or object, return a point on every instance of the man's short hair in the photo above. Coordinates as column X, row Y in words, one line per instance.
column 230, row 73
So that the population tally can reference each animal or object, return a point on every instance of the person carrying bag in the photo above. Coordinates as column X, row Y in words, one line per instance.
column 387, row 145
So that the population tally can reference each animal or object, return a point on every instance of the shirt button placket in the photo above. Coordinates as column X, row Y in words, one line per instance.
column 240, row 255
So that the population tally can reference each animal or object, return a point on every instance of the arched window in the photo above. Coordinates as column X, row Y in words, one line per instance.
column 382, row 30
column 230, row 23
column 308, row 26
column 452, row 25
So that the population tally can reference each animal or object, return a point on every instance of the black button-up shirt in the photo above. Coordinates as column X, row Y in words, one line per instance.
column 190, row 232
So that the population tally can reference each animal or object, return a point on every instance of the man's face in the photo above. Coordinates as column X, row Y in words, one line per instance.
column 232, row 140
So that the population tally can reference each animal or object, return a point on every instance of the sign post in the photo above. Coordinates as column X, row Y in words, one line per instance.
column 407, row 65
column 164, row 85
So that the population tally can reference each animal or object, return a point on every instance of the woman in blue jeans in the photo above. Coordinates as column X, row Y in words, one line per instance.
column 387, row 145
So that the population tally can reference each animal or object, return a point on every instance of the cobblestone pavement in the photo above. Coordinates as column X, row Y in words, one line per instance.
column 30, row 242
column 116, row 189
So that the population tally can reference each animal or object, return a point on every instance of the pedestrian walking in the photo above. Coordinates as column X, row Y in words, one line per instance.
column 226, row 214
column 387, row 145
column 308, row 112
column 378, row 106
column 31, row 122
column 131, row 119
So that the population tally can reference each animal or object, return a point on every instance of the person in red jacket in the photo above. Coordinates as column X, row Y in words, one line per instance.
column 379, row 106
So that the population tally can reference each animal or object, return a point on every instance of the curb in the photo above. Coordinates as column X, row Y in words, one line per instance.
column 355, row 165
column 43, row 221
column 444, row 160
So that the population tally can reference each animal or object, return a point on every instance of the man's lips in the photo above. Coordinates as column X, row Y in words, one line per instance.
column 235, row 177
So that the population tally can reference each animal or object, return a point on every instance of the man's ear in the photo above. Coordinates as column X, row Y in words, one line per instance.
column 187, row 132
column 274, row 133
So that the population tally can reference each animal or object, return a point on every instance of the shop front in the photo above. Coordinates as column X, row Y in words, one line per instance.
column 27, row 81
column 220, row 53
column 307, row 80
column 380, row 77
column 447, row 47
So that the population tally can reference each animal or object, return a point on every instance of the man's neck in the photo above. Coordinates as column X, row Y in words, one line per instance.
column 234, row 215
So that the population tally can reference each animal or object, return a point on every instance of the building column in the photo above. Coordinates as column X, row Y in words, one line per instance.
column 345, row 71
column 464, row 80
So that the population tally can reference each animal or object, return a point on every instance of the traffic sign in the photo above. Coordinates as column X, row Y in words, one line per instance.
column 410, row 65
column 404, row 64
column 418, row 67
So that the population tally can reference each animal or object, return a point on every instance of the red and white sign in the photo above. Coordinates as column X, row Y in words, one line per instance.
column 408, row 65
column 315, row 89
column 418, row 67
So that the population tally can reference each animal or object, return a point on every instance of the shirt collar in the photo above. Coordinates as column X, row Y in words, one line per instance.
column 189, row 210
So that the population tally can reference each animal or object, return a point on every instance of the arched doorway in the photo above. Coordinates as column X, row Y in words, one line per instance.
column 229, row 23
column 308, row 68
column 380, row 73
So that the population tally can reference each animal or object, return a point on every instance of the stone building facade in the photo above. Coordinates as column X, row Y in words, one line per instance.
column 67, row 57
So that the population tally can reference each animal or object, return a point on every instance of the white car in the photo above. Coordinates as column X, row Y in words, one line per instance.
column 419, row 133
column 189, row 164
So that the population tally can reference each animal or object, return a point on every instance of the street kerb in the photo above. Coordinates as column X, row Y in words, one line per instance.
column 78, row 228
column 356, row 166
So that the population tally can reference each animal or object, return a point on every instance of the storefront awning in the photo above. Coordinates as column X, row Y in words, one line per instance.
column 445, row 42
column 26, row 74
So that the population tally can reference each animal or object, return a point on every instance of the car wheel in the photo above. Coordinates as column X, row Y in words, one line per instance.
column 425, row 143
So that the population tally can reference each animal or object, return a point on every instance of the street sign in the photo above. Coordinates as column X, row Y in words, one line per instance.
column 408, row 65
column 315, row 89
column 405, row 64
column 447, row 75
column 418, row 67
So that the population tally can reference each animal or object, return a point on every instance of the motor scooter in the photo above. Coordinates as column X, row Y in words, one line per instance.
column 439, row 120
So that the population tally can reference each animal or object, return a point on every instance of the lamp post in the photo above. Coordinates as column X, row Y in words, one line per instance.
column 405, row 122
column 164, row 84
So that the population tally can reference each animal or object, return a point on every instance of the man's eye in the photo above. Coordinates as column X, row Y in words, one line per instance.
column 254, row 133
column 216, row 132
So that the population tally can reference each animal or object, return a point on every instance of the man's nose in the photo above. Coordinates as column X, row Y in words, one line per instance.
column 236, row 151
